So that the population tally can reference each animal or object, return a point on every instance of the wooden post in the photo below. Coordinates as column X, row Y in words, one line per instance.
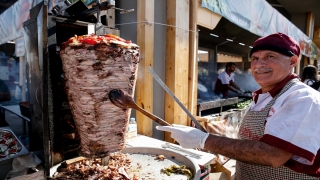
column 316, row 40
column 177, row 61
column 144, row 87
column 310, row 25
column 316, row 36
column 193, row 59
column 309, row 32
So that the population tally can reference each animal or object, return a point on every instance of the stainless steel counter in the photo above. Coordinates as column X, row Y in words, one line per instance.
column 206, row 105
column 15, row 109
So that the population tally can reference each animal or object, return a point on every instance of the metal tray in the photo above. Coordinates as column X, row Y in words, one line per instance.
column 217, row 103
column 151, row 168
column 23, row 149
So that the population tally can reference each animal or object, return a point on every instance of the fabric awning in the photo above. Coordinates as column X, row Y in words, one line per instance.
column 260, row 18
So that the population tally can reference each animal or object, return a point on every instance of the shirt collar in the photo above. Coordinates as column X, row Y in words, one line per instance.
column 276, row 90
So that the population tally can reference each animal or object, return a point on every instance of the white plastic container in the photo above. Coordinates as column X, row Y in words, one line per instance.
column 17, row 92
column 132, row 128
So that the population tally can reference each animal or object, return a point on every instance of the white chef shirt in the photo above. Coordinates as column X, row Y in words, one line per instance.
column 226, row 78
column 295, row 119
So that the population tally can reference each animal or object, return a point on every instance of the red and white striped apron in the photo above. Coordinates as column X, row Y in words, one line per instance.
column 252, row 128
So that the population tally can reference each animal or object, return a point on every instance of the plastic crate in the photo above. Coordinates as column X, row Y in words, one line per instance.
column 24, row 108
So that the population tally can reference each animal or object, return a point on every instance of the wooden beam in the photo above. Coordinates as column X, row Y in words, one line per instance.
column 309, row 32
column 144, row 86
column 310, row 25
column 205, row 17
column 177, row 61
column 193, row 59
column 316, row 36
column 316, row 40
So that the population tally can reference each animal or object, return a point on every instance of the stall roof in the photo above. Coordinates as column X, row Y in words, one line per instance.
column 262, row 20
column 227, row 30
column 296, row 7
column 291, row 6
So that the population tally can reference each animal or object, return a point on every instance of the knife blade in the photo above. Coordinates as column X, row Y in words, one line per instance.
column 163, row 85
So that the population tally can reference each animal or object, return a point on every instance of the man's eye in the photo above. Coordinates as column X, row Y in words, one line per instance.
column 252, row 59
column 270, row 56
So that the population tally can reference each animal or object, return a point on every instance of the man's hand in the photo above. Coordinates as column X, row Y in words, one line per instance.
column 187, row 137
column 241, row 92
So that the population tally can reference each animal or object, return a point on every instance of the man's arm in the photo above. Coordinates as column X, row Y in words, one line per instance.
column 235, row 86
column 247, row 151
column 231, row 88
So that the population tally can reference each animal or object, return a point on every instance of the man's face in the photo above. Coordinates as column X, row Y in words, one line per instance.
column 269, row 68
column 232, row 68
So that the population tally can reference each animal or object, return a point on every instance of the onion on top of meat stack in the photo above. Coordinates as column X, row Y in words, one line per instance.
column 94, row 65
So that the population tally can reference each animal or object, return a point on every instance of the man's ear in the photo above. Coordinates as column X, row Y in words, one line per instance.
column 294, row 60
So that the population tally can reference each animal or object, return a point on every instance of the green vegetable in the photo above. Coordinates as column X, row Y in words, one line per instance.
column 244, row 104
column 179, row 170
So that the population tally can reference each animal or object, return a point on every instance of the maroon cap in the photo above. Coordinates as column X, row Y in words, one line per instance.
column 278, row 42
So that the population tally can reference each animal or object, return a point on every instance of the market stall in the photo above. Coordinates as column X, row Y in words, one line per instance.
column 53, row 122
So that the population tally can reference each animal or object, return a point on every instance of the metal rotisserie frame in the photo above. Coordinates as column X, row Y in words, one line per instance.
column 52, row 128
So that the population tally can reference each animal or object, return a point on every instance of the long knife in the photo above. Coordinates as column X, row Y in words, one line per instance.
column 163, row 85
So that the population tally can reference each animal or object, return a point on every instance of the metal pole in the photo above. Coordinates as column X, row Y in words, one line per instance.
column 98, row 10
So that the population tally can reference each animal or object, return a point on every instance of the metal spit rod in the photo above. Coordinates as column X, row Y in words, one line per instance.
column 163, row 85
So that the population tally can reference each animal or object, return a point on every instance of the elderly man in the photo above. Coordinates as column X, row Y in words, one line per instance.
column 279, row 138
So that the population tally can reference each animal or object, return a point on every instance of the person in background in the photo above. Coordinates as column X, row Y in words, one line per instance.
column 309, row 75
column 279, row 135
column 225, row 81
column 4, row 96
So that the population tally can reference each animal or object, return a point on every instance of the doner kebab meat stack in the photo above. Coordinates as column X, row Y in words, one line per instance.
column 94, row 65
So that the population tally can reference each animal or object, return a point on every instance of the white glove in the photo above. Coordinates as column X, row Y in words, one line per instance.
column 187, row 137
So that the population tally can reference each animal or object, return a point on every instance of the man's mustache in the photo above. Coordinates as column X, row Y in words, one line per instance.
column 262, row 70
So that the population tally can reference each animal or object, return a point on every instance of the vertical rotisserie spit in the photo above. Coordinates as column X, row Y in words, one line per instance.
column 94, row 65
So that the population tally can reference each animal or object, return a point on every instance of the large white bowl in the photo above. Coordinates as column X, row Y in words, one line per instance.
column 151, row 167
